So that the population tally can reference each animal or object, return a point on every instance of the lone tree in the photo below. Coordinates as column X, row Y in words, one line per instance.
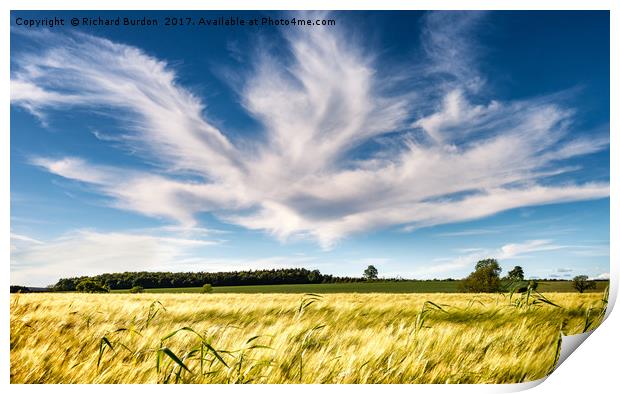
column 516, row 274
column 485, row 279
column 581, row 283
column 371, row 273
column 207, row 288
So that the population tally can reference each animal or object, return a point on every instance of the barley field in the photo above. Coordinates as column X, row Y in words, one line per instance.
column 293, row 338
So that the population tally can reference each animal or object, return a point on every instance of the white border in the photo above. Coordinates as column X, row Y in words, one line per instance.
column 592, row 368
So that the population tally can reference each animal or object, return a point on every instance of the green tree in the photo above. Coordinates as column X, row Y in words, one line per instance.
column 371, row 273
column 64, row 285
column 485, row 279
column 516, row 274
column 314, row 276
column 136, row 289
column 91, row 286
column 207, row 288
column 581, row 283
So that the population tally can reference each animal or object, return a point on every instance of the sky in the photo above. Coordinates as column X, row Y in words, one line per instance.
column 419, row 142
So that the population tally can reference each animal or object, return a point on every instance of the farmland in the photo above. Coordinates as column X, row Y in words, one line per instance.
column 433, row 286
column 292, row 338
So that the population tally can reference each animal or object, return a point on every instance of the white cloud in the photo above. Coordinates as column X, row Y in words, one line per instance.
column 169, row 248
column 481, row 231
column 511, row 251
column 18, row 240
column 87, row 252
column 453, row 53
column 300, row 179
column 603, row 276
column 457, row 115
column 466, row 262
column 446, row 266
column 24, row 238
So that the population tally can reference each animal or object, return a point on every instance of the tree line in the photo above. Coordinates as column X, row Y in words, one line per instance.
column 484, row 279
column 159, row 280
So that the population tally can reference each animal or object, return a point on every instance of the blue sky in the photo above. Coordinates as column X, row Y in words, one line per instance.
column 417, row 142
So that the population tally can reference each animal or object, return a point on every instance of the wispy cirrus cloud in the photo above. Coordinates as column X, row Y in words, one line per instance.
column 514, row 250
column 442, row 154
column 453, row 54
column 464, row 233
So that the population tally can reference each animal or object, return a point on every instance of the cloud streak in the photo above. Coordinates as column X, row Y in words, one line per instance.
column 88, row 252
column 456, row 159
column 466, row 262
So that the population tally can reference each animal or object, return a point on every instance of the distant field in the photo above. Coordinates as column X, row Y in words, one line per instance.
column 567, row 287
column 363, row 287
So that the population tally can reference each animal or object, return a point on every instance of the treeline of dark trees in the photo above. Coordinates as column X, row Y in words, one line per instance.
column 20, row 289
column 485, row 278
column 152, row 280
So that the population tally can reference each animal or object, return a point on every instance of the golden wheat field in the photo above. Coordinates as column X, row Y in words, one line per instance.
column 292, row 338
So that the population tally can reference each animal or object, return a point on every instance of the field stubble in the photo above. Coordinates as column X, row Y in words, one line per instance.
column 292, row 338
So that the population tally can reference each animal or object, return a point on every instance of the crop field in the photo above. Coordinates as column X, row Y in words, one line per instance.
column 292, row 338
column 434, row 286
